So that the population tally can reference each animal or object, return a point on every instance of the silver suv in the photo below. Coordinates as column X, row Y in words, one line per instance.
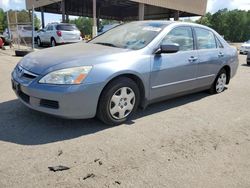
column 56, row 33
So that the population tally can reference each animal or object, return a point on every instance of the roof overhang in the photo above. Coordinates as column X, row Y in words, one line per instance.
column 123, row 9
column 197, row 7
column 39, row 3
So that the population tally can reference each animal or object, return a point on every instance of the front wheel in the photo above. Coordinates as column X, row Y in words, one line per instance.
column 119, row 101
column 220, row 82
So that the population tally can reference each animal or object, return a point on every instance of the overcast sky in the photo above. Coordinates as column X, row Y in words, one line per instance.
column 213, row 6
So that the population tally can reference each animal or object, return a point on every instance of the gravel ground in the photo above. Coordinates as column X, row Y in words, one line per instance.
column 198, row 140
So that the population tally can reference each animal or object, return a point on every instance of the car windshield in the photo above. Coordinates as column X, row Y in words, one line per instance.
column 135, row 35
column 66, row 27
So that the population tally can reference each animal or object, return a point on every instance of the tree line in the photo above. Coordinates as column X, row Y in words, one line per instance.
column 234, row 25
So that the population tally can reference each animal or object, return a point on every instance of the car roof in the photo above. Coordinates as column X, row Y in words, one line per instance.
column 177, row 23
column 160, row 22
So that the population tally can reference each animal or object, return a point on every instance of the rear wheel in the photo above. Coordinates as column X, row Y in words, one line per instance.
column 219, row 83
column 119, row 101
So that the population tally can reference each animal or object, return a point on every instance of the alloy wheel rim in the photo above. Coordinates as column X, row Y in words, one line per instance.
column 122, row 103
column 221, row 83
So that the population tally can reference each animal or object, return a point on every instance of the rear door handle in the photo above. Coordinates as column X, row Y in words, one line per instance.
column 192, row 59
column 221, row 54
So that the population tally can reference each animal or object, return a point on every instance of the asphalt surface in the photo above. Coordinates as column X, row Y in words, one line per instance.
column 199, row 140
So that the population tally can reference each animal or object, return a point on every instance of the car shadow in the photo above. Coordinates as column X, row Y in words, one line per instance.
column 170, row 104
column 20, row 125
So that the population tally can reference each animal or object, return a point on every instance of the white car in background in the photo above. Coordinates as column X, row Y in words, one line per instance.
column 58, row 33
column 245, row 48
column 23, row 31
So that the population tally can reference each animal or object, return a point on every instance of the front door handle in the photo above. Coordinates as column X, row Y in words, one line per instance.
column 192, row 59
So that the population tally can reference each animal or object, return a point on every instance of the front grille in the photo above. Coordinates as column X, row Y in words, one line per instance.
column 24, row 97
column 29, row 76
column 49, row 104
column 22, row 73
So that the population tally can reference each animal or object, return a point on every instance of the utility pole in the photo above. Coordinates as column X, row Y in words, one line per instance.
column 18, row 37
column 141, row 11
column 8, row 20
column 94, row 20
column 33, row 27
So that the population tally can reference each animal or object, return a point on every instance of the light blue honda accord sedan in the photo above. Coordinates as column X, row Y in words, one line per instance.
column 130, row 66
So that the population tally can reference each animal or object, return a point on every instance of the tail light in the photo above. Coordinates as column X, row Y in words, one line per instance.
column 59, row 33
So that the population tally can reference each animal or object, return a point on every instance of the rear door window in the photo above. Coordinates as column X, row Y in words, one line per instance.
column 205, row 39
column 66, row 27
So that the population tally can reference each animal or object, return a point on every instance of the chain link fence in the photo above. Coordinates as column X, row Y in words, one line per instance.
column 20, row 34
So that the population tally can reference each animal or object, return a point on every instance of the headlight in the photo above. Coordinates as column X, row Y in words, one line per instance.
column 67, row 76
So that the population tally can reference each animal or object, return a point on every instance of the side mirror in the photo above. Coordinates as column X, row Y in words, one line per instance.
column 168, row 48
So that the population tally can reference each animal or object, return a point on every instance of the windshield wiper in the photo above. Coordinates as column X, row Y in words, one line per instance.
column 107, row 44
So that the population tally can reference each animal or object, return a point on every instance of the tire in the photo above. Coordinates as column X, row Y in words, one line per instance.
column 52, row 42
column 219, row 83
column 116, row 103
column 248, row 63
column 39, row 42
column 21, row 53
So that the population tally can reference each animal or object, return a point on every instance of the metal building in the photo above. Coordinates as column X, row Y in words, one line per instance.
column 120, row 9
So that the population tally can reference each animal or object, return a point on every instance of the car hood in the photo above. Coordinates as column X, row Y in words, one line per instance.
column 72, row 55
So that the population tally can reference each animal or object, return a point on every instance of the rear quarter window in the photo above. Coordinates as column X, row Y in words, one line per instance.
column 219, row 44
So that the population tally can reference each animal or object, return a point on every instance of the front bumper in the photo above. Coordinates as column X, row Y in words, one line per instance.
column 73, row 102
